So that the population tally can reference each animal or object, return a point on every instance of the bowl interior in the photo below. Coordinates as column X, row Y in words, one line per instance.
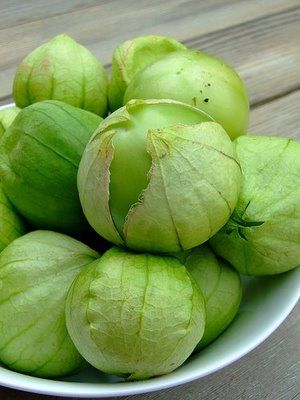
column 266, row 303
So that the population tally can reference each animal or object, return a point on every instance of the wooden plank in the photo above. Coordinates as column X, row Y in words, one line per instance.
column 182, row 19
column 16, row 12
column 277, row 118
column 271, row 371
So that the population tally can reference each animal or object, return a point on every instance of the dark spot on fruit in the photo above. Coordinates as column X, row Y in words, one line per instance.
column 200, row 91
column 206, row 100
column 162, row 155
column 208, row 84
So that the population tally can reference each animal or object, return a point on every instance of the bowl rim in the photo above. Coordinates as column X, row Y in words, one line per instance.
column 15, row 380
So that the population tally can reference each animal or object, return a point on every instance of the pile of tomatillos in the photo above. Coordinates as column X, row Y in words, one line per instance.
column 130, row 206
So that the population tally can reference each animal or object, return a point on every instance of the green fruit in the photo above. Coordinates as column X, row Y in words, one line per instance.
column 262, row 236
column 7, row 115
column 135, row 315
column 156, row 176
column 11, row 225
column 198, row 79
column 40, row 154
column 221, row 288
column 62, row 70
column 36, row 272
column 131, row 57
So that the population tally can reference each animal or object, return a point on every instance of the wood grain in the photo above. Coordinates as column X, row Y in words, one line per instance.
column 15, row 12
column 185, row 20
column 280, row 117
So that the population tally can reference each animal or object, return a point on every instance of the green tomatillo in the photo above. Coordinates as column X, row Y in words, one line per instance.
column 262, row 237
column 36, row 272
column 11, row 224
column 131, row 57
column 64, row 70
column 220, row 286
column 7, row 116
column 158, row 176
column 40, row 154
column 198, row 79
column 135, row 315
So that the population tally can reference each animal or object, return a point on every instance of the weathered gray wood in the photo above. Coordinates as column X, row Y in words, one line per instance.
column 279, row 117
column 270, row 372
column 104, row 26
column 16, row 12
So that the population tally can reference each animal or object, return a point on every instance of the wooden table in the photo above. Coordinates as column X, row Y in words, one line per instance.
column 261, row 38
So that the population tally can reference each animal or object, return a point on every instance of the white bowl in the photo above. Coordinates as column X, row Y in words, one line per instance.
column 266, row 303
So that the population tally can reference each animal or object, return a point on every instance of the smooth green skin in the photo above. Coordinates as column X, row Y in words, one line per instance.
column 11, row 225
column 62, row 69
column 126, row 184
column 185, row 197
column 7, row 116
column 132, row 56
column 262, row 236
column 36, row 272
column 220, row 286
column 135, row 315
column 197, row 79
column 40, row 154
